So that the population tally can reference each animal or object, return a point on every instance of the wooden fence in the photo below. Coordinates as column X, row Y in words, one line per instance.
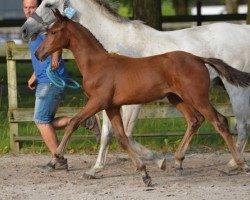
column 15, row 53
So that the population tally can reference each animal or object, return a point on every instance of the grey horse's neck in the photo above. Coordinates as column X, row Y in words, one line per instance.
column 115, row 33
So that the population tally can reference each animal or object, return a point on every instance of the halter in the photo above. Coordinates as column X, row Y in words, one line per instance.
column 40, row 20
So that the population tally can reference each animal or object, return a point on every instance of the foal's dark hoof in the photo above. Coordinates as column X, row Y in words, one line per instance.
column 178, row 171
column 247, row 170
column 147, row 180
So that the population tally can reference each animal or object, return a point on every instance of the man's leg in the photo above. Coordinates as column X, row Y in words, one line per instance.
column 60, row 123
column 48, row 133
column 93, row 123
column 49, row 136
column 48, row 97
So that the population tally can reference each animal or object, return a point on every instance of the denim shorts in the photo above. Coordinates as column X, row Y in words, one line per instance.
column 48, row 97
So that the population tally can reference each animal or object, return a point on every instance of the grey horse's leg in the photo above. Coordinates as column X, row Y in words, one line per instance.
column 106, row 137
column 240, row 100
column 243, row 135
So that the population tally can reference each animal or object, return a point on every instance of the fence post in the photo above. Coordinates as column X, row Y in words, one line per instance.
column 248, row 12
column 199, row 17
column 12, row 94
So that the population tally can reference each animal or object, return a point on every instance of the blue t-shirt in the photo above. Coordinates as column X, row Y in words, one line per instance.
column 40, row 67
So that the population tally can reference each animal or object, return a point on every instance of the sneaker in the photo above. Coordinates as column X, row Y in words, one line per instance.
column 61, row 164
column 93, row 124
column 48, row 167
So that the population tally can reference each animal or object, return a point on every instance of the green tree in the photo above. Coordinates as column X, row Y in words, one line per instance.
column 232, row 6
column 148, row 11
column 248, row 12
column 181, row 7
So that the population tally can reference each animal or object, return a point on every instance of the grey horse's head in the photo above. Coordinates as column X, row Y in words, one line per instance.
column 40, row 20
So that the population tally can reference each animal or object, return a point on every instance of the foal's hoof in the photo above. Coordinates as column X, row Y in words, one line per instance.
column 147, row 180
column 178, row 171
column 246, row 169
column 162, row 164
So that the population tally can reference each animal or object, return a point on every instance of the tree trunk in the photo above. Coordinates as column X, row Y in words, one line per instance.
column 181, row 7
column 248, row 12
column 232, row 6
column 148, row 11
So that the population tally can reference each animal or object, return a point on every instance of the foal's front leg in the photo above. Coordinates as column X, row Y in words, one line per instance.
column 116, row 121
column 89, row 110
column 129, row 117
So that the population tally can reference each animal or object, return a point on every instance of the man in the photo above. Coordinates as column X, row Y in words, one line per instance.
column 48, row 96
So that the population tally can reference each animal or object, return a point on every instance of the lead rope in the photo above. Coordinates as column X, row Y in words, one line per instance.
column 56, row 79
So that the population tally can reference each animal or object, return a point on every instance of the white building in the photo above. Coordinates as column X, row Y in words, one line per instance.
column 11, row 9
column 217, row 10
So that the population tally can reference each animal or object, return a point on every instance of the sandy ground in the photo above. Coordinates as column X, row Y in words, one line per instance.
column 201, row 179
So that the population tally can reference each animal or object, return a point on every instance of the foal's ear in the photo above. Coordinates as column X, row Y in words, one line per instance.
column 58, row 15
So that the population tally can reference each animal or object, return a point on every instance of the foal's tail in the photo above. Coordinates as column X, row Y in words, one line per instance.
column 231, row 74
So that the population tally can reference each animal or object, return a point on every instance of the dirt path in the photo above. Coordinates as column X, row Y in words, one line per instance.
column 21, row 179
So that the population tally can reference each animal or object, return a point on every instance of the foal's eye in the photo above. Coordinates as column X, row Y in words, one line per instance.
column 53, row 33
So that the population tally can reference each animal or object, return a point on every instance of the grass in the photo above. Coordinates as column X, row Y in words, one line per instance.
column 76, row 98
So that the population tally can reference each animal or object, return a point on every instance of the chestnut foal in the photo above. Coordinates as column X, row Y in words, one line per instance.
column 112, row 80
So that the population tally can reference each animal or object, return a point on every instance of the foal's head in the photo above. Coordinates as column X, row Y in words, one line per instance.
column 57, row 38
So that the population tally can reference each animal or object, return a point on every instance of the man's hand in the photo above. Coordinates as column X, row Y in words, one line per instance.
column 32, row 82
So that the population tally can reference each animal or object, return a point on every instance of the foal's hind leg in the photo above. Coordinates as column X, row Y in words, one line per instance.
column 194, row 120
column 129, row 117
column 116, row 121
column 220, row 124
